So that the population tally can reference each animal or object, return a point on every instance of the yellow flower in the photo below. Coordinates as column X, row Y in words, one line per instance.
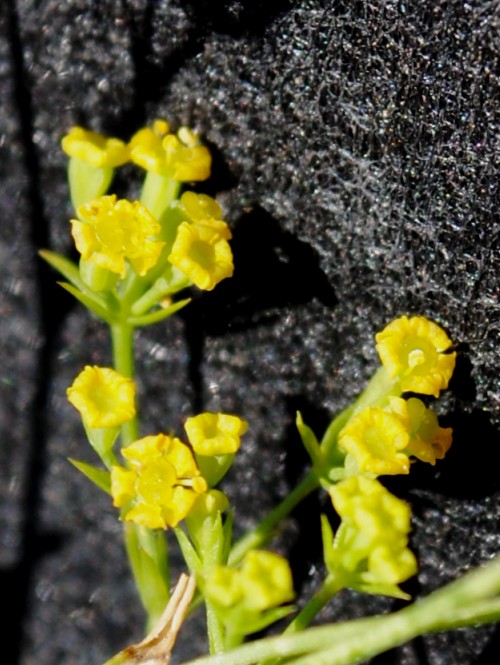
column 428, row 441
column 203, row 209
column 370, row 544
column 179, row 156
column 198, row 207
column 104, row 397
column 111, row 232
column 202, row 254
column 415, row 350
column 215, row 433
column 94, row 149
column 160, row 484
column 266, row 580
column 376, row 440
column 262, row 582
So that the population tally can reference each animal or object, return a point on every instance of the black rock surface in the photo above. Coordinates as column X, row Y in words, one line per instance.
column 357, row 151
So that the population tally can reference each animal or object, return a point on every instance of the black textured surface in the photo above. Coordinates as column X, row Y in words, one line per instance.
column 357, row 152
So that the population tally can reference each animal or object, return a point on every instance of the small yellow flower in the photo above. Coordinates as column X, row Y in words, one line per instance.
column 263, row 581
column 428, row 441
column 202, row 254
column 94, row 149
column 203, row 209
column 180, row 156
column 215, row 433
column 209, row 503
column 111, row 232
column 371, row 542
column 223, row 586
column 160, row 484
column 376, row 440
column 104, row 397
column 266, row 580
column 416, row 351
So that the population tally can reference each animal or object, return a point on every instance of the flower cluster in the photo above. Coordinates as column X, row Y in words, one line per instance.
column 370, row 547
column 136, row 255
column 178, row 156
column 381, row 439
column 110, row 233
column 161, row 480
column 245, row 597
column 160, row 484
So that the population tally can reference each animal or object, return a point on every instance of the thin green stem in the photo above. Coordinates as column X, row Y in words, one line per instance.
column 146, row 549
column 325, row 593
column 215, row 630
column 264, row 531
column 122, row 340
column 472, row 599
column 158, row 193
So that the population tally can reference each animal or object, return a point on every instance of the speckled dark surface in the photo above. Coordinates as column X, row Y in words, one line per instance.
column 357, row 154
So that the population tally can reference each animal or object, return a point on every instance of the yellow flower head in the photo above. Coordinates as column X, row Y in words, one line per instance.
column 160, row 484
column 109, row 233
column 203, row 209
column 202, row 254
column 376, row 440
column 198, row 207
column 215, row 433
column 179, row 156
column 262, row 582
column 371, row 541
column 266, row 580
column 104, row 397
column 94, row 149
column 415, row 350
column 428, row 441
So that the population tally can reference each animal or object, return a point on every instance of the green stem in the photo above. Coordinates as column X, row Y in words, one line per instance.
column 122, row 340
column 146, row 549
column 264, row 531
column 378, row 389
column 325, row 593
column 467, row 601
column 333, row 456
column 148, row 557
column 158, row 193
column 215, row 630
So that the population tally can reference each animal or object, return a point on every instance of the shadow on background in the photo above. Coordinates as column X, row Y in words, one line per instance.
column 273, row 270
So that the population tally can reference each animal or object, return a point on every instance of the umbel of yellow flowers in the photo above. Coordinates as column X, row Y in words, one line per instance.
column 110, row 233
column 160, row 484
column 160, row 481
column 370, row 547
column 113, row 234
column 177, row 156
column 415, row 353
column 243, row 596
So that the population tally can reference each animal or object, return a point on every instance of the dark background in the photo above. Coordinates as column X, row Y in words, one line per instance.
column 356, row 156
